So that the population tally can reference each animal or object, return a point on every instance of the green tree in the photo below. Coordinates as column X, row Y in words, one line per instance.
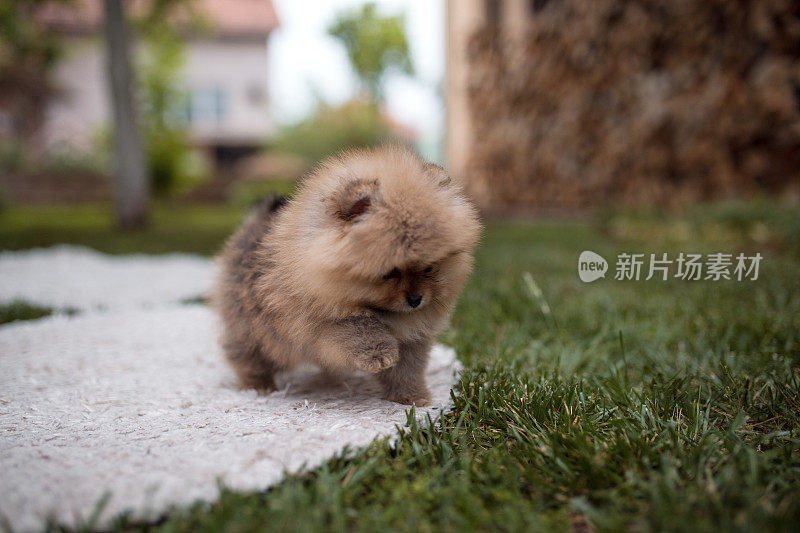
column 28, row 53
column 375, row 45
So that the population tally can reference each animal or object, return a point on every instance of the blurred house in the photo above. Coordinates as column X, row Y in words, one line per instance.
column 224, row 76
column 580, row 103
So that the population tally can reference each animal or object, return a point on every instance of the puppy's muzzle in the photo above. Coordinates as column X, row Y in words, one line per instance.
column 413, row 300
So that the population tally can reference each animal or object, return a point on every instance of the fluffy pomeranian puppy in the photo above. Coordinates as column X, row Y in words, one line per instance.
column 358, row 271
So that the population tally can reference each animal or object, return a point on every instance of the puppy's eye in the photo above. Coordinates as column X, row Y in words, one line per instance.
column 428, row 269
column 392, row 274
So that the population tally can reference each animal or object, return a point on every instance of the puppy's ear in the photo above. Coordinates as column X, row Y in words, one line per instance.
column 354, row 199
column 438, row 175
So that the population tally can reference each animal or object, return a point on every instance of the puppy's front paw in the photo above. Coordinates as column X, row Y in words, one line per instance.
column 261, row 388
column 265, row 390
column 419, row 399
column 378, row 358
column 263, row 385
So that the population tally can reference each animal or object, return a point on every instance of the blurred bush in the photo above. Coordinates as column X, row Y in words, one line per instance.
column 245, row 193
column 332, row 129
column 271, row 164
column 15, row 158
column 70, row 161
column 12, row 157
column 28, row 54
column 171, row 162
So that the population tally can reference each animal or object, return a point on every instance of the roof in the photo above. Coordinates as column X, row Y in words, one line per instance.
column 228, row 18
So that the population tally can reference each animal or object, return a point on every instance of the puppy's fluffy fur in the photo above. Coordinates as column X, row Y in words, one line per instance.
column 360, row 270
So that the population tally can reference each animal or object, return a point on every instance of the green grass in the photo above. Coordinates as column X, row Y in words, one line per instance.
column 650, row 405
column 20, row 310
column 172, row 228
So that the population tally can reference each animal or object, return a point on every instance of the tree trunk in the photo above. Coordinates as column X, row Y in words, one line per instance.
column 130, row 179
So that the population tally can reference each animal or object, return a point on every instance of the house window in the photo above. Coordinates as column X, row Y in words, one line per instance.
column 207, row 106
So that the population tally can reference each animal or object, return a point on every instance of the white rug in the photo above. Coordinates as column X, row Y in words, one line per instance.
column 139, row 404
column 79, row 278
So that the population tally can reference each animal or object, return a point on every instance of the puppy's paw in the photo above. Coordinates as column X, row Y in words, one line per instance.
column 264, row 390
column 261, row 386
column 377, row 359
column 420, row 399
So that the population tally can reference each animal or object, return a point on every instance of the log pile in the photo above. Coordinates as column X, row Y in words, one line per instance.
column 647, row 102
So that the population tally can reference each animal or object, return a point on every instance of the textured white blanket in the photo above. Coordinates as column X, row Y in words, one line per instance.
column 138, row 404
column 79, row 278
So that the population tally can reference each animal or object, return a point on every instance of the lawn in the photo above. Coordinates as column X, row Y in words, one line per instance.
column 645, row 405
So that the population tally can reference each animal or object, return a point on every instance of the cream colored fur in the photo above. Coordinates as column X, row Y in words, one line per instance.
column 360, row 270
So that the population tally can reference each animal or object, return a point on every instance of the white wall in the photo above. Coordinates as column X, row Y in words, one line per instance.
column 76, row 116
column 238, row 69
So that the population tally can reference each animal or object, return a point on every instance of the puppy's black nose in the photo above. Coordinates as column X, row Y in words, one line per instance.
column 413, row 300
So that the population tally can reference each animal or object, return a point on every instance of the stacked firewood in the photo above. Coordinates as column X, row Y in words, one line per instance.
column 640, row 102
